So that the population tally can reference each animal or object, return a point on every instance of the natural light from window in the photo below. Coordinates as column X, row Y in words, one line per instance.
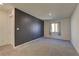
column 54, row 27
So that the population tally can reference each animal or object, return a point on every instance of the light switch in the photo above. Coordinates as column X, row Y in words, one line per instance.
column 17, row 28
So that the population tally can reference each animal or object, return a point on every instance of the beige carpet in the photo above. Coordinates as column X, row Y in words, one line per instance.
column 40, row 47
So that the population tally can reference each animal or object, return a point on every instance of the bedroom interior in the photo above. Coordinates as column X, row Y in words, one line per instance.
column 39, row 29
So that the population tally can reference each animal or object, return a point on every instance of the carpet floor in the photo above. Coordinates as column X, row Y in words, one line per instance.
column 40, row 47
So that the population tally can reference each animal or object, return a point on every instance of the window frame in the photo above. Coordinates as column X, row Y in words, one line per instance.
column 59, row 28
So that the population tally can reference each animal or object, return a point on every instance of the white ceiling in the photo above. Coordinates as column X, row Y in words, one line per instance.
column 5, row 7
column 42, row 10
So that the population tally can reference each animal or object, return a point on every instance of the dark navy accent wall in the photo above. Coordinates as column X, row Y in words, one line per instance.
column 27, row 27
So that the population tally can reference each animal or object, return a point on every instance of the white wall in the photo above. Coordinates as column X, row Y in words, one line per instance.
column 7, row 27
column 12, row 26
column 4, row 28
column 75, row 28
column 65, row 29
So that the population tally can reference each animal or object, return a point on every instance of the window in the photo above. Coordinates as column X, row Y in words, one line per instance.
column 55, row 27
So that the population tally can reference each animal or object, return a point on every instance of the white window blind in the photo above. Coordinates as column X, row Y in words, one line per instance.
column 54, row 27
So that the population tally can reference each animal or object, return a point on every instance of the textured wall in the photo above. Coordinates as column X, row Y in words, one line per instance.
column 29, row 27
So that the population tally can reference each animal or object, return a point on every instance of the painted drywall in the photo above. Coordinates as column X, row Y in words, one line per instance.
column 4, row 28
column 11, row 26
column 27, row 27
column 75, row 28
column 41, row 10
column 65, row 29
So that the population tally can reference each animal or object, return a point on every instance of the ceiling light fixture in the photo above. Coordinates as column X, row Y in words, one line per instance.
column 50, row 14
